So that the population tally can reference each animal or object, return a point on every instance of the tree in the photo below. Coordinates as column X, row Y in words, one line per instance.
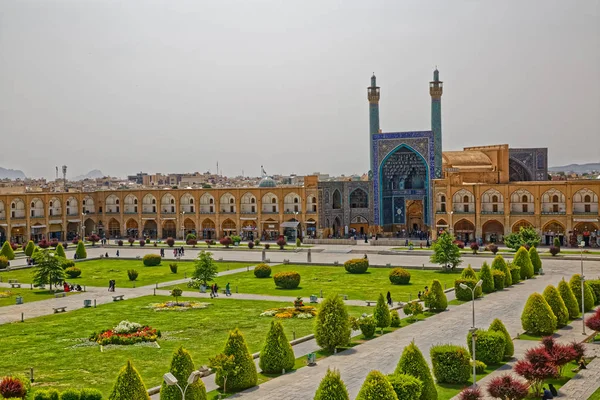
column 60, row 251
column 507, row 387
column 176, row 292
column 245, row 376
column 489, row 346
column 445, row 252
column 588, row 296
column 48, row 268
column 556, row 242
column 557, row 305
column 205, row 269
column 593, row 322
column 7, row 251
column 332, row 387
column 536, row 262
column 376, row 386
column 569, row 299
column 225, row 366
column 509, row 347
column 468, row 273
column 382, row 316
column 129, row 385
column 527, row 236
column 413, row 363
column 181, row 367
column 523, row 261
column 536, row 368
column 29, row 248
column 500, row 265
column 226, row 241
column 485, row 275
column 80, row 251
column 407, row 387
column 435, row 298
column 537, row 317
column 277, row 354
column 332, row 325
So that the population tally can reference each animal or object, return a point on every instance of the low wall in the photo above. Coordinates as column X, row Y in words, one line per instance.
column 329, row 241
column 396, row 242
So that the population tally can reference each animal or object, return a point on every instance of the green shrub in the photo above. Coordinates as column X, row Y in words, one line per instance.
column 468, row 273
column 523, row 261
column 152, row 260
column 381, row 315
column 7, row 251
column 435, row 298
column 332, row 326
column 90, row 394
column 262, row 271
column 332, row 387
column 569, row 298
column 588, row 296
column 399, row 276
column 245, row 376
column 489, row 346
column 80, row 252
column 536, row 262
column 132, row 274
column 30, row 248
column 4, row 263
column 450, row 363
column 46, row 394
column 413, row 363
column 537, row 317
column 479, row 366
column 73, row 272
column 412, row 309
column 60, row 251
column 515, row 273
column 407, row 387
column 500, row 265
column 509, row 347
column 499, row 279
column 557, row 305
column 70, row 394
column 357, row 265
column 182, row 366
column 287, row 280
column 395, row 322
column 595, row 286
column 67, row 264
column 129, row 385
column 367, row 327
column 173, row 267
column 277, row 354
column 376, row 386
column 465, row 294
column 485, row 275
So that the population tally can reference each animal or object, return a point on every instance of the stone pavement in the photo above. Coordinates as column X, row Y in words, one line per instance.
column 587, row 381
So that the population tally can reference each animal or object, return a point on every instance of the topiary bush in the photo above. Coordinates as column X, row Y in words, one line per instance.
column 170, row 242
column 435, row 298
column 465, row 294
column 29, row 248
column 281, row 242
column 507, row 387
column 287, row 279
column 515, row 273
column 132, row 274
column 67, row 264
column 407, row 387
column 381, row 315
column 376, row 386
column 500, row 265
column 70, row 394
column 357, row 265
column 557, row 305
column 493, row 248
column 226, row 241
column 489, row 346
column 413, row 363
column 468, row 273
column 395, row 323
column 332, row 326
column 129, row 385
column 536, row 262
column 173, row 267
column 250, row 244
column 595, row 286
column 4, row 263
column 509, row 347
column 277, row 354
column 262, row 271
column 450, row 363
column 523, row 261
column 367, row 327
column 332, row 387
column 569, row 298
column 11, row 386
column 120, row 243
column 245, row 376
column 588, row 296
column 152, row 260
column 537, row 317
column 485, row 275
column 399, row 276
column 90, row 394
column 182, row 366
column 499, row 279
column 47, row 394
column 479, row 366
column 60, row 251
column 80, row 251
column 73, row 272
column 143, row 242
column 7, row 251
column 554, row 250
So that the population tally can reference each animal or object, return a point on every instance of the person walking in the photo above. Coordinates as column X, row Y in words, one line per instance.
column 389, row 299
column 212, row 290
column 117, row 253
column 227, row 290
column 162, row 253
column 216, row 290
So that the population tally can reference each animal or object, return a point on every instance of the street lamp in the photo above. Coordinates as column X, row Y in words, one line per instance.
column 581, row 245
column 183, row 225
column 170, row 380
column 297, row 223
column 82, row 225
column 473, row 330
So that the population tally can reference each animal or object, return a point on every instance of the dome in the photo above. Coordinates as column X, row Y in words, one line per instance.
column 266, row 182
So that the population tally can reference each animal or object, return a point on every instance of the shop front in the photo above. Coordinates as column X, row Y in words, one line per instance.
column 37, row 232
column 55, row 231
column 270, row 230
column 291, row 230
column 249, row 229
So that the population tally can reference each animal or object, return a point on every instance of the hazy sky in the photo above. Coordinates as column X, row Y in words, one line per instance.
column 175, row 86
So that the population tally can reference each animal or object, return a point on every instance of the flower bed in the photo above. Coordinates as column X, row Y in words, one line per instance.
column 4, row 295
column 178, row 306
column 304, row 312
column 126, row 333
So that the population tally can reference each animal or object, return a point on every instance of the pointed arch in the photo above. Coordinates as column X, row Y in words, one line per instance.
column 292, row 202
column 131, row 204
column 114, row 228
column 337, row 200
column 463, row 201
column 2, row 210
column 169, row 229
column 54, row 207
column 553, row 227
column 270, row 203
column 207, row 204
column 227, row 203
column 88, row 205
column 228, row 227
column 359, row 198
column 149, row 204
column 189, row 226
column 440, row 202
column 585, row 201
column 248, row 203
column 36, row 208
column 72, row 206
column 493, row 231
column 311, row 204
column 522, row 202
column 112, row 204
column 167, row 204
column 521, row 223
column 553, row 201
column 492, row 202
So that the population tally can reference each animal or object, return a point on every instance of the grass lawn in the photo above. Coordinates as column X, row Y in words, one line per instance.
column 447, row 391
column 56, row 346
column 457, row 302
column 98, row 272
column 337, row 280
column 567, row 375
column 27, row 294
column 595, row 395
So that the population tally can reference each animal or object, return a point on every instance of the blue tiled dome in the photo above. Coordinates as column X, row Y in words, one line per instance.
column 267, row 182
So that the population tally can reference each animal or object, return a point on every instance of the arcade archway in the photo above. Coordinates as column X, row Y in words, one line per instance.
column 493, row 231
column 464, row 230
column 150, row 229
column 169, row 229
column 551, row 230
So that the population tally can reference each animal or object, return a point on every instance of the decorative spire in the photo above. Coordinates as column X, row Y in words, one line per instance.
column 373, row 91
column 373, row 80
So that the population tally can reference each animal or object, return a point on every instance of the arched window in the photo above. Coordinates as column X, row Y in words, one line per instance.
column 337, row 200
column 524, row 199
column 553, row 201
column 464, row 201
column 359, row 199
column 585, row 201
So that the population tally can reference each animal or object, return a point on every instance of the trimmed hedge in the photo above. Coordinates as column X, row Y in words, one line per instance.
column 413, row 363
column 435, row 298
column 46, row 394
column 152, row 260
column 515, row 273
column 29, row 248
column 245, row 376
column 90, row 394
column 537, row 317
column 595, row 286
column 7, row 251
column 500, row 265
column 332, row 387
column 73, row 272
column 60, row 251
column 182, row 366
column 536, row 262
column 499, row 279
column 557, row 305
column 488, row 280
column 332, row 325
column 129, row 385
column 70, row 394
column 262, row 271
column 277, row 354
column 381, row 315
column 465, row 294
column 399, row 276
column 569, row 298
column 4, row 263
column 509, row 347
column 287, row 280
column 357, row 265
column 395, row 323
column 367, row 327
column 524, row 262
column 376, row 386
column 407, row 387
column 588, row 296
column 489, row 346
column 468, row 273
column 80, row 251
column 450, row 363
column 479, row 366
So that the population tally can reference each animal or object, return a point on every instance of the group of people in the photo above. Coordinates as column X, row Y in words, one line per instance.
column 177, row 252
column 549, row 393
column 71, row 288
column 111, row 285
column 214, row 290
column 423, row 293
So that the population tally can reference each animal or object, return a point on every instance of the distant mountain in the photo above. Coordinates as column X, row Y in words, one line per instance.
column 577, row 168
column 93, row 174
column 11, row 174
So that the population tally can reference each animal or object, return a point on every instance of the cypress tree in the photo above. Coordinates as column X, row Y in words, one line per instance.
column 413, row 363
column 29, row 248
column 569, row 299
column 588, row 297
column 332, row 387
column 500, row 265
column 509, row 347
column 524, row 262
column 486, row 276
column 80, row 252
column 407, row 387
column 468, row 273
column 7, row 251
column 60, row 251
column 395, row 321
column 537, row 317
column 536, row 262
column 436, row 298
column 557, row 305
column 246, row 375
column 129, row 385
column 181, row 367
column 332, row 326
column 376, row 386
column 277, row 354
column 381, row 315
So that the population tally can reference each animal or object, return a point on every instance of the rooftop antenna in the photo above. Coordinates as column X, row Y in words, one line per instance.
column 57, row 172
column 64, row 171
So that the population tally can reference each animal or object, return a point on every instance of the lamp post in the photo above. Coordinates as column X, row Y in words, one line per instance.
column 581, row 245
column 183, row 225
column 170, row 380
column 473, row 330
column 298, row 223
column 82, row 225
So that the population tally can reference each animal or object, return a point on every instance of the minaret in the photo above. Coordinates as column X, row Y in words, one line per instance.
column 373, row 96
column 435, row 90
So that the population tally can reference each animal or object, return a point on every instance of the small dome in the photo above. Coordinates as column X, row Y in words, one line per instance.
column 267, row 182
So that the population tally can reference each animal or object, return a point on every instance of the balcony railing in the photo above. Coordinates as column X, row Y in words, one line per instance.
column 585, row 212
column 73, row 215
column 554, row 212
column 464, row 212
column 111, row 212
column 441, row 212
column 493, row 212
column 37, row 216
column 130, row 212
column 207, row 212
column 270, row 212
column 522, row 212
column 18, row 217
